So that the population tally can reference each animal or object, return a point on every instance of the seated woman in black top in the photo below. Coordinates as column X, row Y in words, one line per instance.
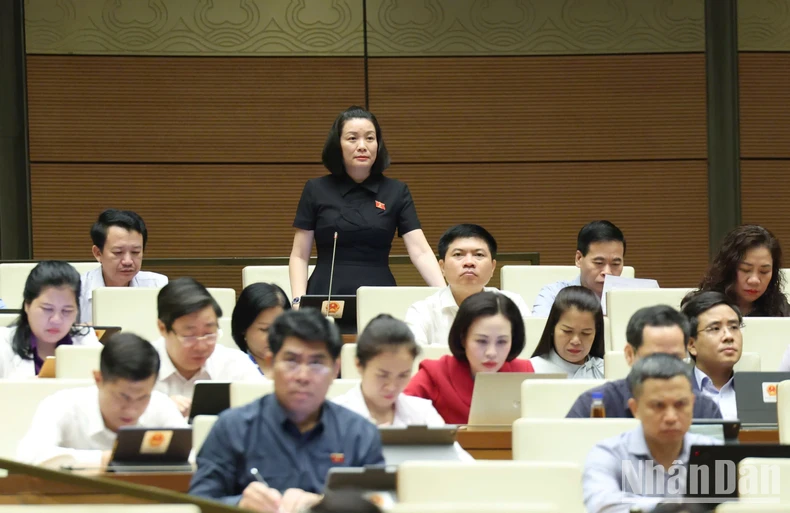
column 747, row 270
column 363, row 208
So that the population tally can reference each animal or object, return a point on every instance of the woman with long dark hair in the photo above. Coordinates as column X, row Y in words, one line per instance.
column 747, row 270
column 49, row 313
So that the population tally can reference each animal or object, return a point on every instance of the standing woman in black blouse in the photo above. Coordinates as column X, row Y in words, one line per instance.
column 364, row 207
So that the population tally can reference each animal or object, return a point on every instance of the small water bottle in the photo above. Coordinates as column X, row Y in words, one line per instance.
column 597, row 409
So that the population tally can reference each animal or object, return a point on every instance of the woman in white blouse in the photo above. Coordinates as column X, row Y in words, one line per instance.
column 50, row 309
column 386, row 351
column 573, row 339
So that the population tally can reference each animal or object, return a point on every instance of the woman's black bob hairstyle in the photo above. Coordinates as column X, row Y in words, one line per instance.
column 332, row 156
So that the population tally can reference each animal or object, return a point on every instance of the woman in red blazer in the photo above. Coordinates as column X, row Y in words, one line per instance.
column 486, row 336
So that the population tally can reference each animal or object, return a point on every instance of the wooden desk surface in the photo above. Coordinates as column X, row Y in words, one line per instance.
column 759, row 436
column 173, row 481
column 487, row 443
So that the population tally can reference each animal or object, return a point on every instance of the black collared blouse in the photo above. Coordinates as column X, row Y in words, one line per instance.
column 365, row 216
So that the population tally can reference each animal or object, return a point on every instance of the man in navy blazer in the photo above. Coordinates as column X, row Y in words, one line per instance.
column 651, row 330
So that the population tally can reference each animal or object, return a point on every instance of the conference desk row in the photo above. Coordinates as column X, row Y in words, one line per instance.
column 481, row 443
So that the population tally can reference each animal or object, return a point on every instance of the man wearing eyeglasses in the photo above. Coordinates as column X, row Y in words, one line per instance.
column 715, row 346
column 189, row 324
column 273, row 455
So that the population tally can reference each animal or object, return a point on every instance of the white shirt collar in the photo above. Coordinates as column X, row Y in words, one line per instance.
column 447, row 300
column 705, row 383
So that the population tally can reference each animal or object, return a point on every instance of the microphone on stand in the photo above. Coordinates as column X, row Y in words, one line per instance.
column 332, row 309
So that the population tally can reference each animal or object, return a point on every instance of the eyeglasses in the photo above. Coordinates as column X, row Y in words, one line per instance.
column 314, row 368
column 208, row 338
column 716, row 329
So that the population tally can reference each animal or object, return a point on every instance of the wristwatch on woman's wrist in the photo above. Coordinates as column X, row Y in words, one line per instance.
column 296, row 301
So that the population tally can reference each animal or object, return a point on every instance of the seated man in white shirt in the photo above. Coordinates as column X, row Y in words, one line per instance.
column 715, row 345
column 648, row 465
column 189, row 324
column 80, row 424
column 600, row 250
column 119, row 239
column 467, row 257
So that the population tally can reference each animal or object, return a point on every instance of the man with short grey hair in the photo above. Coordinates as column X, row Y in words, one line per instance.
column 647, row 465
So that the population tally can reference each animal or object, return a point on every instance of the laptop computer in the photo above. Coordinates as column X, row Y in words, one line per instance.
column 755, row 397
column 410, row 443
column 151, row 449
column 343, row 309
column 726, row 431
column 713, row 476
column 210, row 398
column 496, row 399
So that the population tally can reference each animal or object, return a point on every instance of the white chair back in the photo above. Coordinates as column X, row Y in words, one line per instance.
column 769, row 337
column 226, row 298
column 348, row 359
column 527, row 280
column 514, row 482
column 245, row 392
column 749, row 362
column 22, row 397
column 563, row 440
column 348, row 362
column 201, row 426
column 533, row 328
column 227, row 334
column 372, row 301
column 552, row 398
column 614, row 365
column 276, row 274
column 621, row 304
column 783, row 411
column 14, row 276
column 77, row 362
column 132, row 308
column 768, row 480
column 84, row 267
column 6, row 319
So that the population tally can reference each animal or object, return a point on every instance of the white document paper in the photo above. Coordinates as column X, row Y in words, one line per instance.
column 618, row 282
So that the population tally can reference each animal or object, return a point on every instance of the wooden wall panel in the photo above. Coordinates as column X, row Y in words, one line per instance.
column 191, row 211
column 199, row 109
column 765, row 105
column 234, row 210
column 660, row 206
column 528, row 109
column 765, row 196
